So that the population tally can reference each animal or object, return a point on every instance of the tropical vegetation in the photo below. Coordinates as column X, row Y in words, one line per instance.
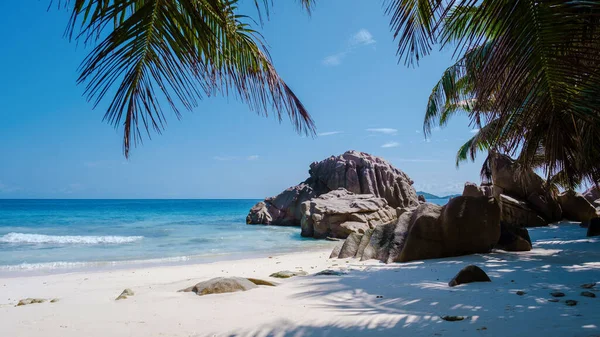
column 527, row 75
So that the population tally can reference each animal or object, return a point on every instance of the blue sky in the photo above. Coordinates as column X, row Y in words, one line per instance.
column 340, row 61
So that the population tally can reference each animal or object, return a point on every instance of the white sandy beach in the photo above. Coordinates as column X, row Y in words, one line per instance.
column 415, row 295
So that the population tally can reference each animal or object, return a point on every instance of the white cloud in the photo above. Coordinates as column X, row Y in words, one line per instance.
column 361, row 38
column 329, row 133
column 253, row 157
column 334, row 60
column 417, row 131
column 436, row 129
column 474, row 130
column 387, row 131
column 390, row 144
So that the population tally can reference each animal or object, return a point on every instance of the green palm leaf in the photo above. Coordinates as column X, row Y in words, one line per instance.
column 532, row 67
column 179, row 52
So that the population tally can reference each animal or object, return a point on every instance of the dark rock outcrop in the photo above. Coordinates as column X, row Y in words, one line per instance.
column 259, row 214
column 350, row 246
column 592, row 194
column 469, row 274
column 594, row 227
column 466, row 225
column 335, row 253
column 282, row 210
column 575, row 207
column 524, row 185
column 473, row 190
column 513, row 238
column 517, row 214
column 339, row 213
column 357, row 172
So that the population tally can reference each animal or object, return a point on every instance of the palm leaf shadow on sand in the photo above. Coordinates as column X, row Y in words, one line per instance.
column 416, row 294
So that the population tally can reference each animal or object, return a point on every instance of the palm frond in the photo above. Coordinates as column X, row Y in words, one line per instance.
column 413, row 23
column 531, row 66
column 483, row 140
column 180, row 51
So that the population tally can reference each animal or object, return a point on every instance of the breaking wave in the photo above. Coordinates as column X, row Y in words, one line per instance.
column 17, row 238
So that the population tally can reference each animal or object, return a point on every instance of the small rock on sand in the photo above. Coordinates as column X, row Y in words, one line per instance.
column 288, row 274
column 221, row 285
column 27, row 301
column 588, row 294
column 329, row 272
column 260, row 282
column 54, row 300
column 588, row 285
column 557, row 294
column 127, row 292
column 469, row 274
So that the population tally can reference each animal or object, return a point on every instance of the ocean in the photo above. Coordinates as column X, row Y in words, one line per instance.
column 58, row 235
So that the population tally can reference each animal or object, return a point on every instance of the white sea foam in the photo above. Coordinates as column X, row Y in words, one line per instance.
column 17, row 238
column 90, row 264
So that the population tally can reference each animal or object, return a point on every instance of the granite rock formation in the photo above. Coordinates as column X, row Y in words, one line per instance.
column 339, row 213
column 357, row 172
column 466, row 225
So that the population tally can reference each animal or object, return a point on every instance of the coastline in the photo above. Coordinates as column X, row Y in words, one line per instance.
column 60, row 267
column 371, row 299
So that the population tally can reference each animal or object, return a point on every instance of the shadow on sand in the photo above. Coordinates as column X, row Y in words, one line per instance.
column 408, row 299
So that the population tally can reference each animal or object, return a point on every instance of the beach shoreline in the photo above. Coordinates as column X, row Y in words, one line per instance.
column 369, row 299
column 60, row 267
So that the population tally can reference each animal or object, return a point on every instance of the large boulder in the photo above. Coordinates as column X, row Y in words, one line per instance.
column 379, row 244
column 466, row 225
column 594, row 227
column 524, row 185
column 350, row 246
column 282, row 210
column 513, row 238
column 340, row 212
column 473, row 190
column 518, row 214
column 575, row 207
column 259, row 214
column 357, row 172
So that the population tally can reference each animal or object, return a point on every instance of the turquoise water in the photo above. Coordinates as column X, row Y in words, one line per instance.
column 59, row 234
column 438, row 201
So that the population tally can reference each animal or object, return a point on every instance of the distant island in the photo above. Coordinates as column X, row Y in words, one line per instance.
column 433, row 196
